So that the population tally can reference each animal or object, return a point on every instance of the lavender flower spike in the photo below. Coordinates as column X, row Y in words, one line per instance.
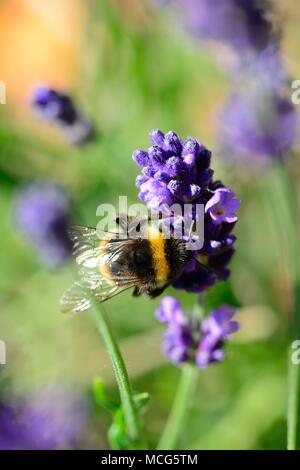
column 42, row 213
column 192, row 340
column 178, row 171
column 58, row 108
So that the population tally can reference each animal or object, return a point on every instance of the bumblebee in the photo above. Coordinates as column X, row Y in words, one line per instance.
column 112, row 264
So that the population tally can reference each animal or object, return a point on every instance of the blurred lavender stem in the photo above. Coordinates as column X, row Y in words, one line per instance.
column 183, row 399
column 287, row 214
column 130, row 415
column 293, row 410
column 181, row 405
column 280, row 198
column 292, row 404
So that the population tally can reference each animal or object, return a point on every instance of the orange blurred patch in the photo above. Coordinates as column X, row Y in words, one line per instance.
column 40, row 41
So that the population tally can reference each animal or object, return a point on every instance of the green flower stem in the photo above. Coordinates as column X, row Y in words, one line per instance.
column 288, row 221
column 292, row 405
column 281, row 199
column 181, row 406
column 130, row 414
column 293, row 410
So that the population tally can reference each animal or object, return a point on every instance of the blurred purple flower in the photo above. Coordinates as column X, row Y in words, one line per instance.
column 58, row 108
column 178, row 172
column 191, row 340
column 42, row 214
column 267, row 65
column 258, row 122
column 52, row 418
column 12, row 435
column 241, row 24
column 54, row 106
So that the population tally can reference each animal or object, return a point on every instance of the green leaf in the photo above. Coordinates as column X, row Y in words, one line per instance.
column 117, row 432
column 117, row 439
column 141, row 400
column 101, row 398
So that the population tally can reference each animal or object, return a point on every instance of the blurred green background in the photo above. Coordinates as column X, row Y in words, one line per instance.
column 131, row 69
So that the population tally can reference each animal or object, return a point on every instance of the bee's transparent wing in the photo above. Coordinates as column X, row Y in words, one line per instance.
column 80, row 296
column 92, row 285
column 75, row 299
column 86, row 245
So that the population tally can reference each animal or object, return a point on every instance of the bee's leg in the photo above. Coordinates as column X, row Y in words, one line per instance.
column 156, row 291
column 136, row 292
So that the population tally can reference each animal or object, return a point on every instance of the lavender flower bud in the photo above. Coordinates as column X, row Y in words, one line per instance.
column 58, row 108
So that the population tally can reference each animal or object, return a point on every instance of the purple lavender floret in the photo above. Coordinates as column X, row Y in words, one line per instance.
column 42, row 214
column 58, row 108
column 223, row 206
column 170, row 311
column 191, row 340
column 178, row 172
column 214, row 331
column 178, row 337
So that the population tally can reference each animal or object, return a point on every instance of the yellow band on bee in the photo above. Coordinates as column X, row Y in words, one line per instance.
column 157, row 245
column 103, row 267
